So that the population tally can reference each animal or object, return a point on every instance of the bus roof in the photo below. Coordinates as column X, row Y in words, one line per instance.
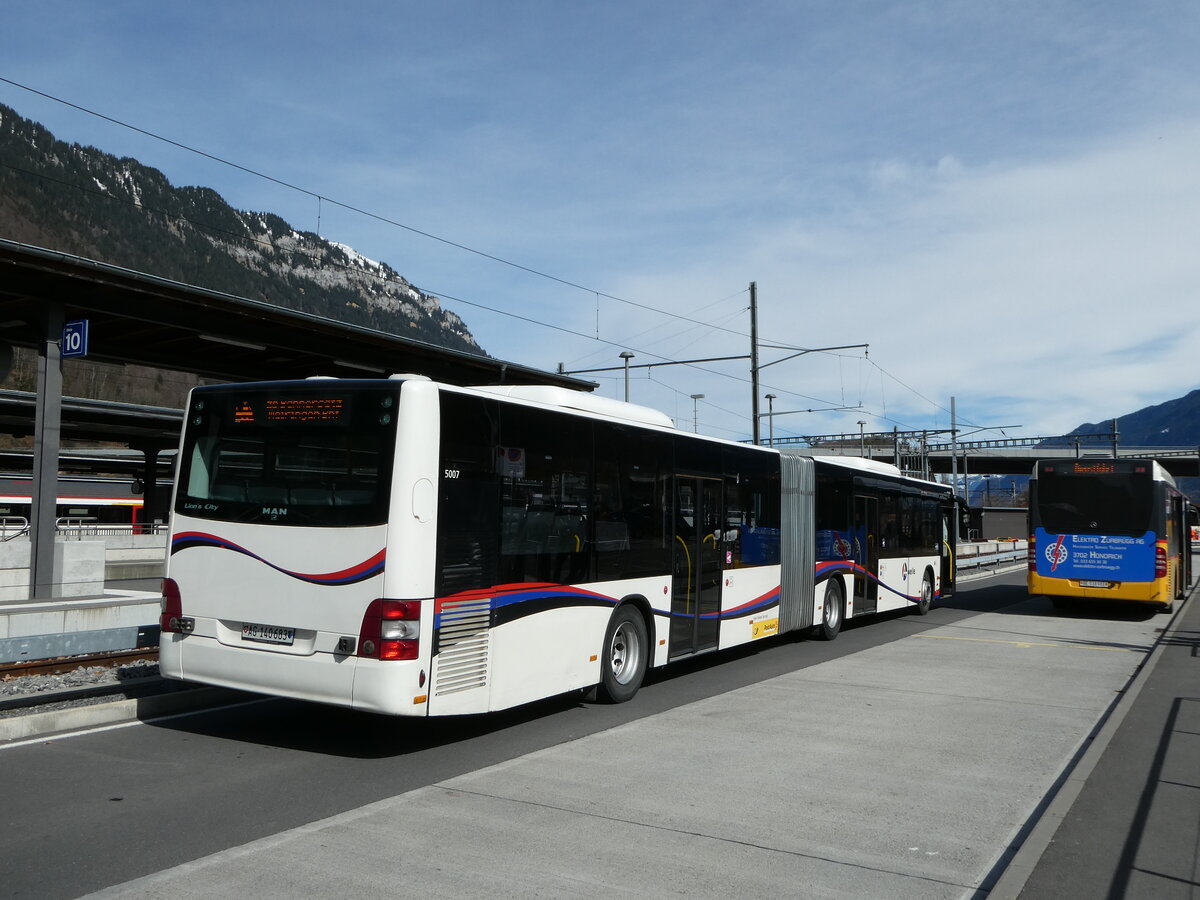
column 577, row 400
column 861, row 464
column 865, row 465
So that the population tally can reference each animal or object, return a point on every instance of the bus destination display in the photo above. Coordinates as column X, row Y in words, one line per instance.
column 1095, row 467
column 324, row 410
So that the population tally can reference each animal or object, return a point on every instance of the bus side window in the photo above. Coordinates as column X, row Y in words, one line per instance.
column 627, row 526
column 472, row 533
column 611, row 536
column 544, row 463
column 752, row 538
column 889, row 530
column 535, row 531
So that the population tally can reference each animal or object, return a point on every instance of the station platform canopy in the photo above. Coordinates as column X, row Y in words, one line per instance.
column 136, row 318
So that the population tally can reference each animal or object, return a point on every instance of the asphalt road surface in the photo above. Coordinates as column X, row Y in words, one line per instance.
column 89, row 810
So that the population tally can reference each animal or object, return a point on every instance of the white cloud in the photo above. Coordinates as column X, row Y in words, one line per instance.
column 1039, row 281
column 992, row 196
column 1042, row 294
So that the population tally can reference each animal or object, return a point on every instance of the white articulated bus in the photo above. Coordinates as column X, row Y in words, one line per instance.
column 414, row 548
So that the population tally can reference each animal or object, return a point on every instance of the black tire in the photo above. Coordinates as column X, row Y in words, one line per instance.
column 833, row 611
column 625, row 655
column 926, row 601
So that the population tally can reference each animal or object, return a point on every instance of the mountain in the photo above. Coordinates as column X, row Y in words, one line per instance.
column 1175, row 423
column 83, row 201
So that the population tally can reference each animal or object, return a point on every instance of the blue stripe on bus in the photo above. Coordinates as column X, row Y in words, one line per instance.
column 843, row 567
column 510, row 602
column 368, row 568
column 749, row 608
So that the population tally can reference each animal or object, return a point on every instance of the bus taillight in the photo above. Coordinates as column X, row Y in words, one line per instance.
column 1160, row 562
column 1031, row 553
column 391, row 629
column 172, row 620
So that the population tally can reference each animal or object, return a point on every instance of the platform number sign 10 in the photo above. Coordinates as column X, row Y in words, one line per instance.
column 75, row 338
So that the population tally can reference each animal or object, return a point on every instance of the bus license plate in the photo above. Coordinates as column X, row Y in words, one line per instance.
column 1096, row 584
column 267, row 634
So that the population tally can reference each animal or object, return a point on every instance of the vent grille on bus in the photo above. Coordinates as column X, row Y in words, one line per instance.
column 463, row 639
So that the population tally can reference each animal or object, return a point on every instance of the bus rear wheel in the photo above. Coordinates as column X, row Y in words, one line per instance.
column 832, row 612
column 625, row 657
column 926, row 595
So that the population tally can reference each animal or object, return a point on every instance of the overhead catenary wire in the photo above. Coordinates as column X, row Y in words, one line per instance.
column 579, row 361
column 433, row 291
column 324, row 199
column 444, row 295
column 265, row 244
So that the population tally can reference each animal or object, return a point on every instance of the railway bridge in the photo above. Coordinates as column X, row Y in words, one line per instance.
column 917, row 453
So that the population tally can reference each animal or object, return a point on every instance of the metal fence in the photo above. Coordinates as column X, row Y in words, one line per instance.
column 990, row 556
column 78, row 527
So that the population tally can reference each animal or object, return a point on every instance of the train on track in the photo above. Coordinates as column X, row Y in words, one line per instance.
column 93, row 502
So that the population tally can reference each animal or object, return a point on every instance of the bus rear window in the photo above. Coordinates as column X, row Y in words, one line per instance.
column 289, row 455
column 1121, row 503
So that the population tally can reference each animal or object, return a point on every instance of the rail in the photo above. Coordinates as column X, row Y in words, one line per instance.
column 63, row 664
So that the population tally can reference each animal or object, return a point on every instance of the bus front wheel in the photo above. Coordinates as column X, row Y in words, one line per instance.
column 625, row 656
column 832, row 612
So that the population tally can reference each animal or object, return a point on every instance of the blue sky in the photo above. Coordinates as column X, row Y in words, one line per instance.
column 1001, row 199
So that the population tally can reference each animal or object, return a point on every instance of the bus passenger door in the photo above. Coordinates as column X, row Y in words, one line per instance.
column 947, row 553
column 866, row 553
column 696, row 565
column 1177, row 547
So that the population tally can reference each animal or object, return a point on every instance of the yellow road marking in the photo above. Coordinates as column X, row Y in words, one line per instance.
column 949, row 637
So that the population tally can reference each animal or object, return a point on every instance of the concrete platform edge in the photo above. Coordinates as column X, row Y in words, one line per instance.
column 1020, row 867
column 57, row 721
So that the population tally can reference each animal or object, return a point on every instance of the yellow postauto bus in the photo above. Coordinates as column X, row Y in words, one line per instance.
column 1108, row 529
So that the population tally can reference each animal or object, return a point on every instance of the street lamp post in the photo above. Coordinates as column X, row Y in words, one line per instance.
column 627, row 356
column 862, row 448
column 696, row 412
column 771, row 419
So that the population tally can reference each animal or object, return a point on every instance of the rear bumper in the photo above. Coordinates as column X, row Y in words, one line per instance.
column 1132, row 591
column 364, row 684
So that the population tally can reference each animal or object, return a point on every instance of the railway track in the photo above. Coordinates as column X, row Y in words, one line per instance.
column 63, row 665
